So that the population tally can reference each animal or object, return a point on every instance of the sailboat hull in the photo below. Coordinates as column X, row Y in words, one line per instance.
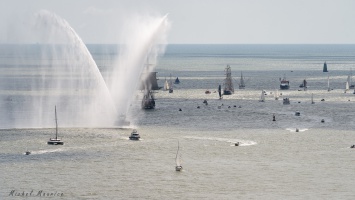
column 55, row 142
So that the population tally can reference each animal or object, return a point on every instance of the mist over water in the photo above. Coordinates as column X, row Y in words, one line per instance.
column 62, row 72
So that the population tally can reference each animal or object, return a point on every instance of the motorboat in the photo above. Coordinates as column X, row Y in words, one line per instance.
column 284, row 84
column 134, row 135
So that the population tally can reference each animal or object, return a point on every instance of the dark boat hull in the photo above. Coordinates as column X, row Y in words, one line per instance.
column 284, row 87
column 227, row 92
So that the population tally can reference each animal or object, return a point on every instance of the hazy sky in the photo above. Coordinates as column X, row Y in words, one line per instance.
column 201, row 21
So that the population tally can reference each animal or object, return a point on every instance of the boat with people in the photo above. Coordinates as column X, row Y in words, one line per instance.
column 148, row 101
column 134, row 135
column 228, row 84
column 284, row 84
column 56, row 140
column 178, row 166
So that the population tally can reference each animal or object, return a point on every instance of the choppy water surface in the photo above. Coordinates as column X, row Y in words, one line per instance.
column 273, row 161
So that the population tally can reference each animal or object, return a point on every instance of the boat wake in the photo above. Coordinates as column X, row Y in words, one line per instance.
column 228, row 140
column 47, row 151
column 295, row 129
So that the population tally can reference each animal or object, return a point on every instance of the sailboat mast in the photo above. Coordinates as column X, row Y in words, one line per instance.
column 56, row 123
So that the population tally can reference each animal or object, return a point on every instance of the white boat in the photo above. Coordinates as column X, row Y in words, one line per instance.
column 328, row 85
column 56, row 140
column 241, row 83
column 346, row 86
column 178, row 166
column 262, row 97
column 166, row 85
column 134, row 135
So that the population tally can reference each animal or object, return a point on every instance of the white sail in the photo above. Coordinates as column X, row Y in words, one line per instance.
column 166, row 85
column 262, row 97
column 347, row 86
column 241, row 83
column 328, row 85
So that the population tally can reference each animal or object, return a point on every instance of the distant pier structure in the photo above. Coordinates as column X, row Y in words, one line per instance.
column 325, row 68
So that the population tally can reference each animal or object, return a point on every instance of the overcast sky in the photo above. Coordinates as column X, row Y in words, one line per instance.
column 201, row 21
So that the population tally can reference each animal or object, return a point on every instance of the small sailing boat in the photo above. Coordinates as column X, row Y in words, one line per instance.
column 325, row 68
column 304, row 84
column 171, row 89
column 166, row 85
column 241, row 83
column 312, row 99
column 262, row 97
column 346, row 86
column 56, row 140
column 178, row 166
column 177, row 81
column 328, row 85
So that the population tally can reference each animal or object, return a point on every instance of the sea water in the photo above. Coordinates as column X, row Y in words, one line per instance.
column 273, row 161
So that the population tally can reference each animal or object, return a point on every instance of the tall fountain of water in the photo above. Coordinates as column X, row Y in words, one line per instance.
column 144, row 40
column 60, row 71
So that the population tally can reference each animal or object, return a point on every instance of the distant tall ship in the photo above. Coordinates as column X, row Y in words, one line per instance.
column 325, row 68
column 228, row 84
column 285, row 84
column 148, row 101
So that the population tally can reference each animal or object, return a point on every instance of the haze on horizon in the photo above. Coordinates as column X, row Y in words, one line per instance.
column 196, row 22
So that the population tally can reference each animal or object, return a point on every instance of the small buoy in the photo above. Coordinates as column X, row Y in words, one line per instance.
column 236, row 144
column 180, row 109
column 297, row 130
column 322, row 120
column 198, row 106
column 234, row 106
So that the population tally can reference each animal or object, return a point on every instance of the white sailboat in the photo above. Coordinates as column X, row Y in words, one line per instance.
column 241, row 83
column 276, row 95
column 178, row 166
column 328, row 85
column 56, row 140
column 166, row 85
column 312, row 99
column 262, row 97
column 346, row 86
